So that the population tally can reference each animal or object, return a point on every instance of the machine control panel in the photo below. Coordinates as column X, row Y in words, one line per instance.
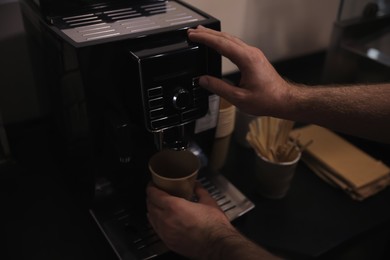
column 169, row 84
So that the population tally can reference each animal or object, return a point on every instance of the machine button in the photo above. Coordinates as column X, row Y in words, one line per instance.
column 159, row 112
column 155, row 92
column 192, row 114
column 165, row 122
column 181, row 99
column 157, row 102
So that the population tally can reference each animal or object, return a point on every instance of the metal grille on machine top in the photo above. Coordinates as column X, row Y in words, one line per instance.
column 109, row 23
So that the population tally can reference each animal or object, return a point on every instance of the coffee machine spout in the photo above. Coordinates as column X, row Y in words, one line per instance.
column 174, row 138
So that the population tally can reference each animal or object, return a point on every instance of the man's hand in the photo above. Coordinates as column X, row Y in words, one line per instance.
column 188, row 228
column 261, row 90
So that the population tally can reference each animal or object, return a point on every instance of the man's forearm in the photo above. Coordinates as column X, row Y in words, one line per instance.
column 359, row 110
column 232, row 245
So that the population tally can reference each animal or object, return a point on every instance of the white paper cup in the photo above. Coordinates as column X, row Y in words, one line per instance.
column 226, row 119
column 219, row 152
column 274, row 179
column 175, row 172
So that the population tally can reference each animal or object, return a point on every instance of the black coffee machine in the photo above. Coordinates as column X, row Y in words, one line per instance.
column 120, row 78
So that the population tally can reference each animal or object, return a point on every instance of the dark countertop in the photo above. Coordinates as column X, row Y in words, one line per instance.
column 42, row 218
column 314, row 219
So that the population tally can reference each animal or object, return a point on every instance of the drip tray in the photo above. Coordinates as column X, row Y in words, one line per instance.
column 132, row 237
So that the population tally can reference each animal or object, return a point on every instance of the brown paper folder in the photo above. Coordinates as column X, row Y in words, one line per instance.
column 341, row 163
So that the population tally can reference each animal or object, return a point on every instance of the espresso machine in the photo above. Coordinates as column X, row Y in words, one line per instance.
column 120, row 79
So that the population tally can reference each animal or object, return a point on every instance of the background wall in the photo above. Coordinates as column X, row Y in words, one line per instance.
column 18, row 100
column 283, row 29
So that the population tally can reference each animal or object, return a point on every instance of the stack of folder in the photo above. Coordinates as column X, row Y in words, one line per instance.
column 342, row 164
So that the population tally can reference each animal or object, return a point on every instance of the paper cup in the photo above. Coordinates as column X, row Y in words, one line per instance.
column 226, row 119
column 219, row 152
column 274, row 179
column 175, row 172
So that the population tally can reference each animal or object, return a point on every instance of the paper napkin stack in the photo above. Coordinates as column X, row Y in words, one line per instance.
column 342, row 164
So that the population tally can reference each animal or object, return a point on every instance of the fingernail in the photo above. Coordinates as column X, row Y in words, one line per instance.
column 203, row 81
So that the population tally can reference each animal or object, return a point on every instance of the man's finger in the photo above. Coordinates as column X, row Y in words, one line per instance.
column 204, row 196
column 236, row 40
column 223, row 45
column 157, row 197
column 229, row 92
